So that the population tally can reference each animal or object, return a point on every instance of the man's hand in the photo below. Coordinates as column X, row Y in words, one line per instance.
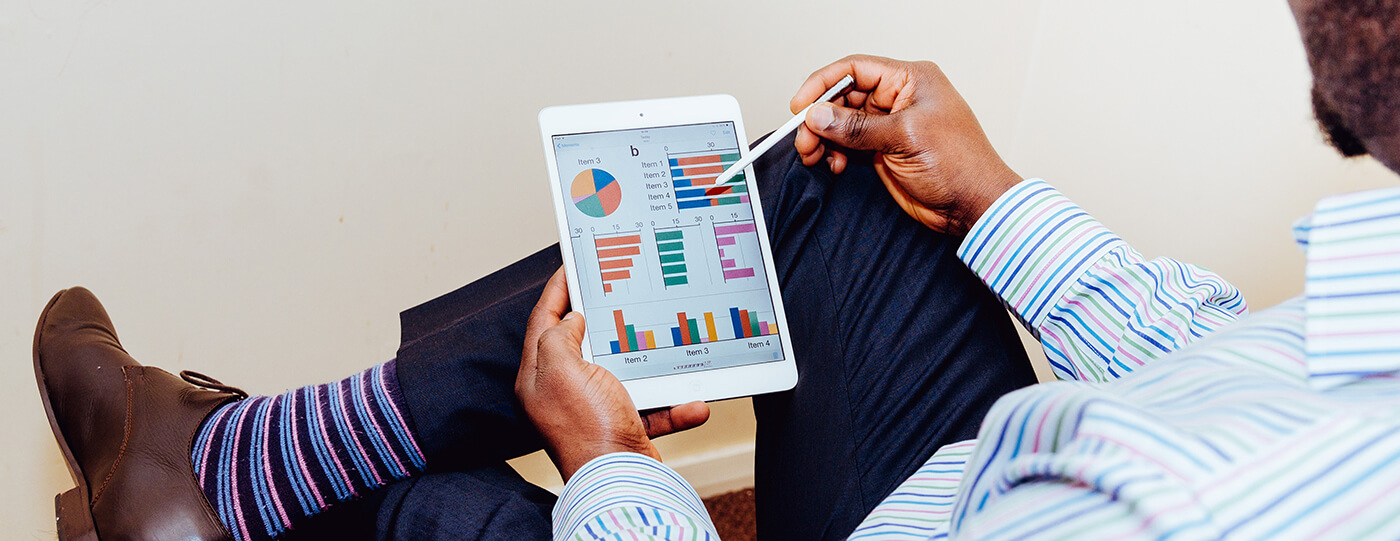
column 925, row 142
column 580, row 408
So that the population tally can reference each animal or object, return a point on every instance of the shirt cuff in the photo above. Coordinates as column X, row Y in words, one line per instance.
column 629, row 492
column 1031, row 245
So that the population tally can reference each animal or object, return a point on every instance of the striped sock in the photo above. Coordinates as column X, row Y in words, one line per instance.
column 267, row 461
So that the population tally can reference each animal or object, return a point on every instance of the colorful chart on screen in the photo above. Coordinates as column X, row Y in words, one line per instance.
column 673, row 278
column 596, row 193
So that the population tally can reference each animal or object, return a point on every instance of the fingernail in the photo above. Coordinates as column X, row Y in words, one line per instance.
column 571, row 315
column 822, row 115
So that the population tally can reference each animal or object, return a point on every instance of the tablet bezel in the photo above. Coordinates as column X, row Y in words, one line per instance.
column 708, row 385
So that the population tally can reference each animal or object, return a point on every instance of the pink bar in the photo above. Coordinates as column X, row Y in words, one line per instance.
column 744, row 198
column 726, row 241
column 763, row 326
column 735, row 229
column 738, row 273
column 726, row 264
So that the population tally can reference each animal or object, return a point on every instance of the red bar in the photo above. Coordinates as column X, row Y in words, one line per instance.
column 619, row 241
column 621, row 331
column 616, row 275
column 618, row 252
column 615, row 264
column 685, row 329
column 744, row 317
column 702, row 170
column 697, row 159
column 719, row 190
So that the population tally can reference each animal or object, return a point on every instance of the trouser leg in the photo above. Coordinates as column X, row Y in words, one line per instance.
column 900, row 350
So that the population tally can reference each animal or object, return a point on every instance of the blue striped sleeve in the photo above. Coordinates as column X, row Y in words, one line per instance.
column 1099, row 308
column 630, row 496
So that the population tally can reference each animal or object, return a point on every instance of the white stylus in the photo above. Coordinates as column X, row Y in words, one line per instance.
column 788, row 127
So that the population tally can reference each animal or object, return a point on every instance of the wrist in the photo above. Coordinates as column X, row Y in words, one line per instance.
column 988, row 191
column 570, row 460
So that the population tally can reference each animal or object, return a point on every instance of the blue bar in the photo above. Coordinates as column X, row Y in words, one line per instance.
column 675, row 162
column 677, row 172
column 676, row 336
column 693, row 203
column 615, row 348
column 691, row 193
column 734, row 318
column 683, row 183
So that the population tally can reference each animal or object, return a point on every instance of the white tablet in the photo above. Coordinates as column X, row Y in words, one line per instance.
column 672, row 272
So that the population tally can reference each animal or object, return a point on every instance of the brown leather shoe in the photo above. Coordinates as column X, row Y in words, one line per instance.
column 125, row 430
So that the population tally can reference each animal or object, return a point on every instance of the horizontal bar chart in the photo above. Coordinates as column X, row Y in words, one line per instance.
column 670, row 249
column 727, row 237
column 693, row 178
column 615, row 257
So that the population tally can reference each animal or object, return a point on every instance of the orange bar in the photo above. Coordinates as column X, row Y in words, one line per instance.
column 744, row 316
column 702, row 170
column 618, row 252
column 615, row 264
column 710, row 325
column 651, row 340
column 621, row 331
column 685, row 329
column 707, row 181
column 607, row 288
column 697, row 159
column 616, row 275
column 619, row 241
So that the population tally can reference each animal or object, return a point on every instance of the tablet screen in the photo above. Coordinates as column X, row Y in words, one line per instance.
column 669, row 263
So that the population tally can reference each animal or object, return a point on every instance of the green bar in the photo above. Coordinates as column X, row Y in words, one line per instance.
column 631, row 338
column 669, row 246
column 672, row 258
column 694, row 331
column 672, row 269
column 729, row 157
column 676, row 280
column 669, row 235
column 738, row 179
column 753, row 323
column 742, row 188
column 728, row 200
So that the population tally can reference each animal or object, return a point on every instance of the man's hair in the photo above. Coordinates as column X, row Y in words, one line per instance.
column 1354, row 51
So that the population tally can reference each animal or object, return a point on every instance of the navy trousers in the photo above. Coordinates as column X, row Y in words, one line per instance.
column 899, row 348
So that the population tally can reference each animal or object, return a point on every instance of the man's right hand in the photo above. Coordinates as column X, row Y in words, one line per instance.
column 926, row 144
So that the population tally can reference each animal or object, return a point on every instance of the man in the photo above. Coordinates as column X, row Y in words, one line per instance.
column 1284, row 424
column 900, row 351
column 1175, row 449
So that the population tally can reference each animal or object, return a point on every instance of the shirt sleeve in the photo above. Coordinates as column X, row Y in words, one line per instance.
column 630, row 496
column 1099, row 308
column 920, row 508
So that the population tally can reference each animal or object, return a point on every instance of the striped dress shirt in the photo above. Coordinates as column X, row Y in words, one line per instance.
column 1180, row 415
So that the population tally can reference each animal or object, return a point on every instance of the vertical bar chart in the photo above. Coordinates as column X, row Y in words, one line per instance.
column 628, row 338
column 748, row 325
column 731, row 255
column 690, row 330
column 693, row 177
column 615, row 257
column 670, row 248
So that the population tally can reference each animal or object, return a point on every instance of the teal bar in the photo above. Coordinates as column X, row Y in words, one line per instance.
column 728, row 200
column 669, row 235
column 669, row 246
column 632, row 338
column 676, row 280
column 729, row 157
column 753, row 322
column 672, row 258
column 673, row 269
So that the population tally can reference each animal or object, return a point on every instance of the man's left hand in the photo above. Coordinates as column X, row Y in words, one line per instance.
column 580, row 408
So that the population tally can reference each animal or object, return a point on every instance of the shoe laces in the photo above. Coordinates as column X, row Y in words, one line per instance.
column 196, row 378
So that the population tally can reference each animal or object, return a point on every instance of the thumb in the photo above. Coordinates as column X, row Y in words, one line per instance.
column 563, row 340
column 852, row 128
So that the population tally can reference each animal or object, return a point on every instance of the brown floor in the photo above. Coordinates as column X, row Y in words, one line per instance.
column 733, row 515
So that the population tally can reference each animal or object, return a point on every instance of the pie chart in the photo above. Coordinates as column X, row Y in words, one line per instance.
column 596, row 193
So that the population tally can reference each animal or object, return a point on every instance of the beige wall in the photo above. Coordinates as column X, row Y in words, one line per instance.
column 256, row 188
